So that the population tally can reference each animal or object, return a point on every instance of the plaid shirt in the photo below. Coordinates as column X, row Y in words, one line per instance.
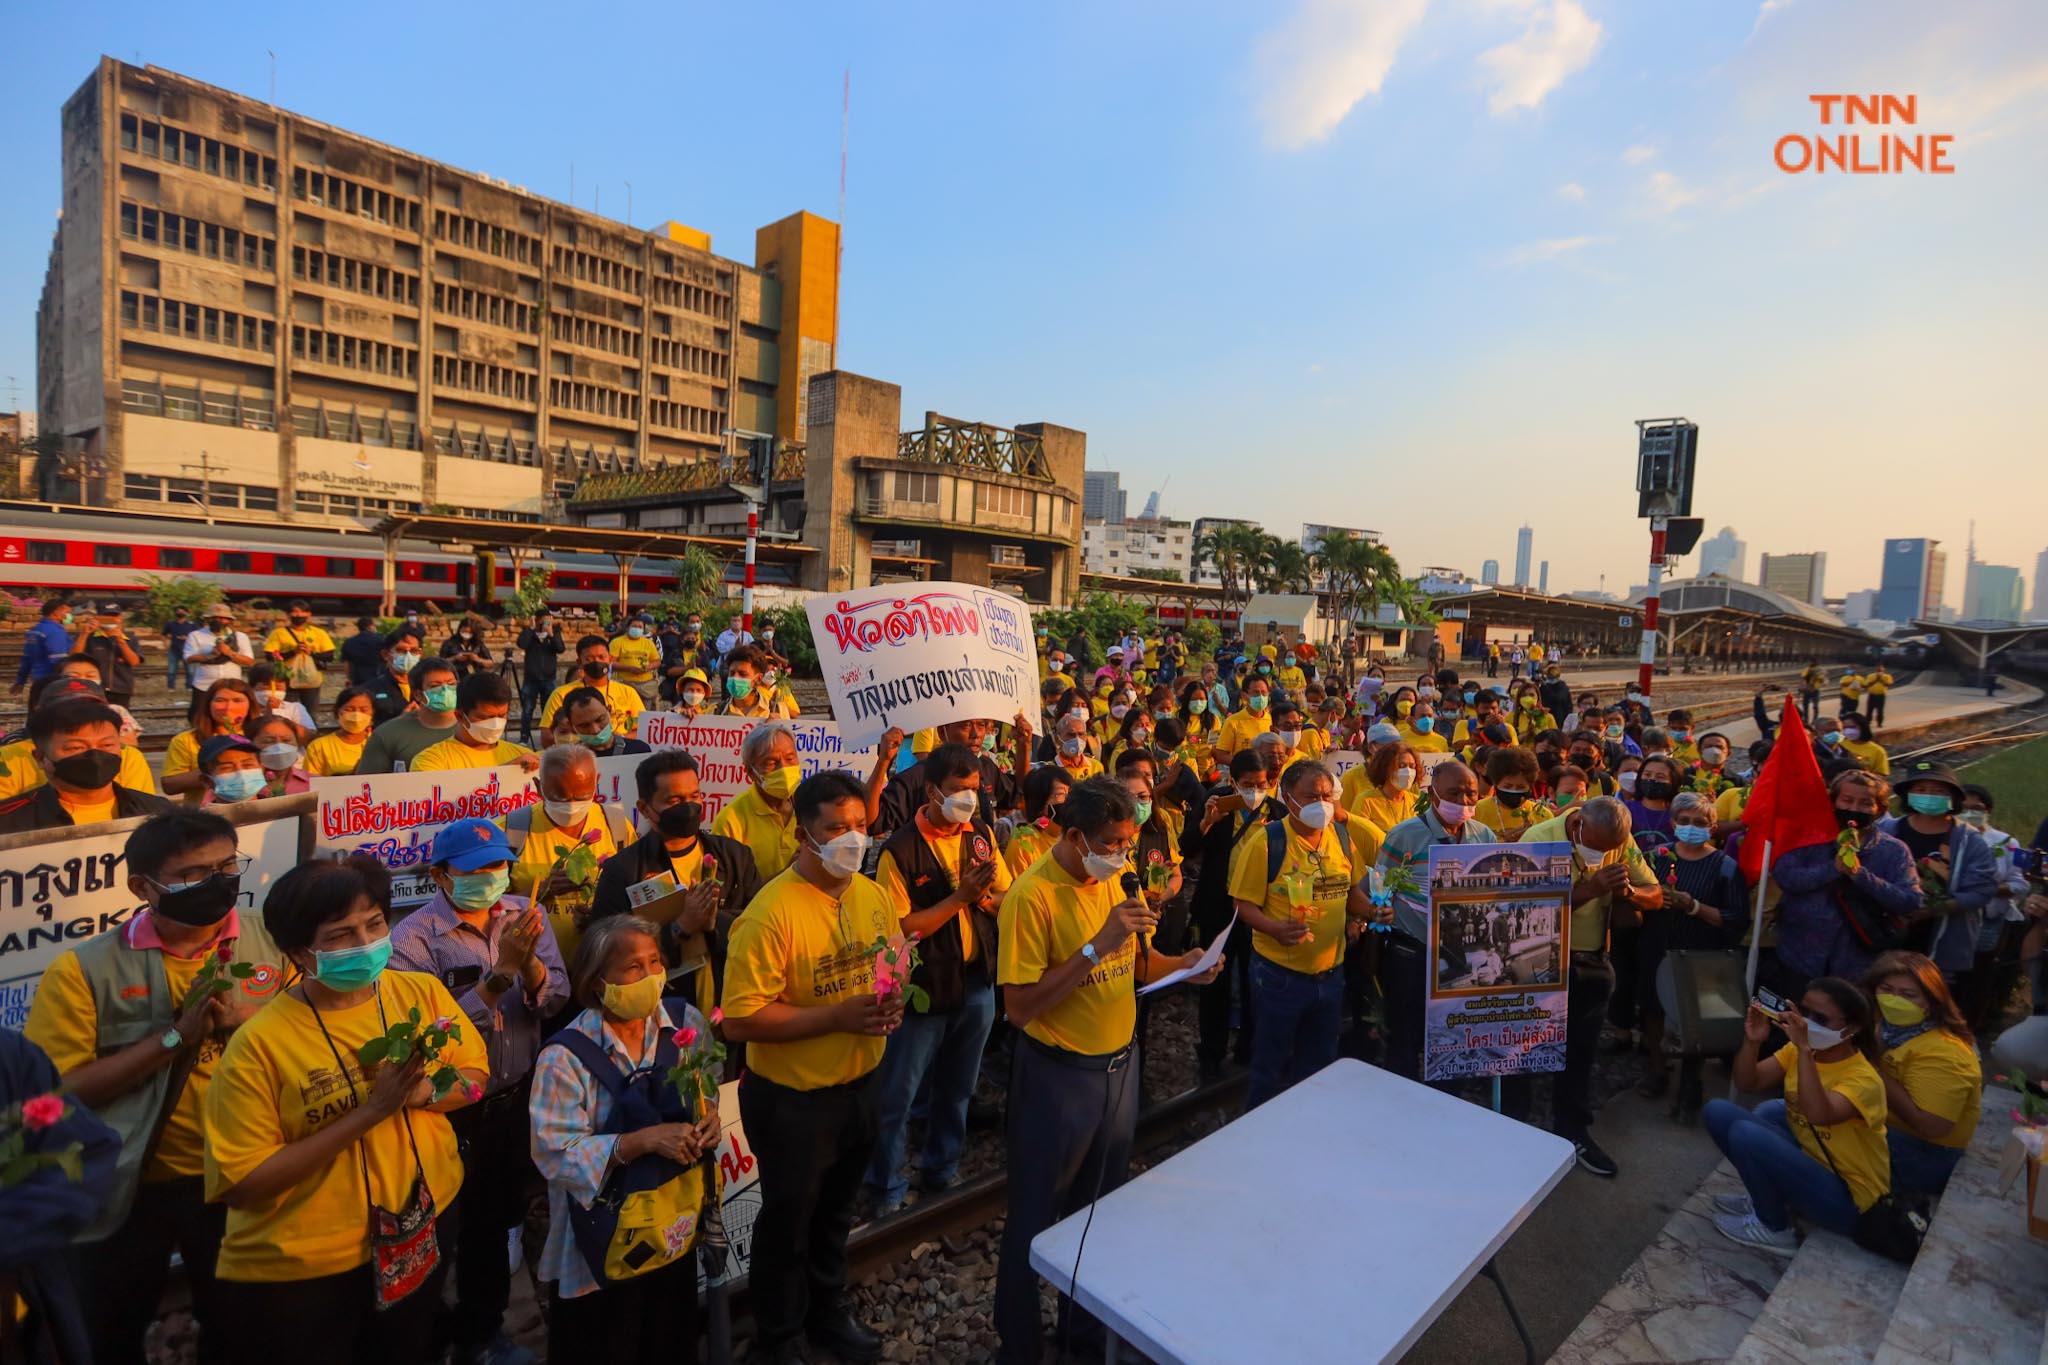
column 565, row 1112
column 1407, row 845
column 436, row 940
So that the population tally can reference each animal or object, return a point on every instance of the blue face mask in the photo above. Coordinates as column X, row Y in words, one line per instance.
column 1692, row 834
column 635, row 632
column 601, row 739
column 1424, row 724
column 441, row 699
column 351, row 969
column 244, row 783
column 1928, row 803
column 479, row 890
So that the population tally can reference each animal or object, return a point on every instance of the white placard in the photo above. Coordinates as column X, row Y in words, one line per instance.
column 56, row 895
column 947, row 652
column 714, row 741
column 394, row 817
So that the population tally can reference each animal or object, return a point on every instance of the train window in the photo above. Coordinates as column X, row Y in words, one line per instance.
column 173, row 559
column 341, row 568
column 233, row 561
column 436, row 572
column 113, row 554
column 46, row 552
column 288, row 564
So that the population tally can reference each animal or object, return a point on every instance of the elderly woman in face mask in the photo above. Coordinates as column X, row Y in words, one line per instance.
column 1706, row 905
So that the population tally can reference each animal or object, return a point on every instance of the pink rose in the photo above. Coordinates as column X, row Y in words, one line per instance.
column 444, row 1023
column 472, row 1091
column 42, row 1111
column 592, row 835
column 225, row 951
column 686, row 1037
column 717, row 1015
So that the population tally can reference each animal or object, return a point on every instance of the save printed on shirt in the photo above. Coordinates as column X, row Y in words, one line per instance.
column 795, row 945
column 1044, row 921
column 1329, row 885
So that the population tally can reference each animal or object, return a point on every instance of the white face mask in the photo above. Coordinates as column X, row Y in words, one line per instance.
column 1404, row 778
column 842, row 855
column 1072, row 745
column 486, row 731
column 279, row 757
column 1627, row 782
column 1591, row 857
column 1453, row 814
column 1822, row 1037
column 1100, row 866
column 1713, row 756
column 565, row 813
column 959, row 807
column 693, row 697
column 1317, row 814
column 1253, row 797
column 1288, row 737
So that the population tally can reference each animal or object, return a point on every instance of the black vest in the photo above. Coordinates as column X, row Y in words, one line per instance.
column 942, row 969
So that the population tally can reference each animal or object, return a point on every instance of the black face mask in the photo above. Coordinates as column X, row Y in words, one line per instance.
column 1509, row 800
column 202, row 903
column 681, row 821
column 1655, row 791
column 596, row 672
column 88, row 771
column 1588, row 762
column 1852, row 819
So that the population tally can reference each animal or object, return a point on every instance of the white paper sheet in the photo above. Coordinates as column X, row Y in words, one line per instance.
column 1203, row 964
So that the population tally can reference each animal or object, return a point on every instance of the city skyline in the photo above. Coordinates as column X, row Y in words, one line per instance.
column 1440, row 161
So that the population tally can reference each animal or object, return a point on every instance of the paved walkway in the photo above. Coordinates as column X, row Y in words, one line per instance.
column 1914, row 706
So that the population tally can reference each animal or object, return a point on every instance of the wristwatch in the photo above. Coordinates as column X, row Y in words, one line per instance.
column 499, row 982
column 172, row 1039
column 1088, row 951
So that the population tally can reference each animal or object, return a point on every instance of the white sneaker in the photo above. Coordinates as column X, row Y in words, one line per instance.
column 1747, row 1230
column 1736, row 1204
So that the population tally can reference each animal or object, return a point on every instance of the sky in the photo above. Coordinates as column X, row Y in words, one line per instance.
column 1409, row 265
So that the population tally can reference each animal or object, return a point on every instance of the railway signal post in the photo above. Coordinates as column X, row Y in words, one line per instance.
column 1664, row 467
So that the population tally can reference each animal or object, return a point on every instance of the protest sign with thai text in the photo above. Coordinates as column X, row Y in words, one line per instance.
column 925, row 654
column 394, row 817
column 1499, row 930
column 714, row 741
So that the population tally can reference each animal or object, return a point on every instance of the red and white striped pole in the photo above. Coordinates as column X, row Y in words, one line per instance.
column 747, row 585
column 1649, row 656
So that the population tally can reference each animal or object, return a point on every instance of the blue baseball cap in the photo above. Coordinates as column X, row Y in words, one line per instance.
column 221, row 744
column 468, row 845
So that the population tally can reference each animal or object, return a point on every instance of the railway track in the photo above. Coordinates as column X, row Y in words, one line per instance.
column 1983, row 743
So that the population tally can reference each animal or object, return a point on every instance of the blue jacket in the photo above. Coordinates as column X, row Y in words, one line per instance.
column 1813, row 939
column 45, row 643
column 1972, row 882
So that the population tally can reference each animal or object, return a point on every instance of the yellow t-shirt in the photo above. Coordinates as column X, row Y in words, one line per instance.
column 1240, row 728
column 64, row 1022
column 1589, row 919
column 19, row 771
column 282, row 643
column 1851, row 687
column 278, row 1083
column 772, row 837
column 1728, row 805
column 635, row 661
column 1315, row 742
column 1510, row 824
column 453, row 753
column 1028, row 843
column 1291, row 678
column 1878, row 683
column 182, row 756
column 624, row 703
column 946, row 848
column 1044, row 921
column 921, row 743
column 1080, row 771
column 1431, row 743
column 333, row 756
column 1870, row 754
column 796, row 945
column 1942, row 1074
column 1359, row 796
column 1857, row 1144
column 90, row 813
column 1332, row 878
column 545, row 842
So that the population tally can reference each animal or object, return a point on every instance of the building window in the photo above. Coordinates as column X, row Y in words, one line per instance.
column 1000, row 498
column 113, row 554
column 259, row 499
column 174, row 559
column 46, row 552
column 916, row 486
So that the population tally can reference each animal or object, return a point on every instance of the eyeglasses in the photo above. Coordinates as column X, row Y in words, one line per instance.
column 231, row 867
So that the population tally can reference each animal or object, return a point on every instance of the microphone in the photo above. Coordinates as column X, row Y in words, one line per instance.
column 1131, row 885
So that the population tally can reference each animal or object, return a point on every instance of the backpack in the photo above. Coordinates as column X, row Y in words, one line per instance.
column 1276, row 847
column 648, row 1213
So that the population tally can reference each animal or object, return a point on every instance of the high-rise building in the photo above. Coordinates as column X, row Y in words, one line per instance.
column 1996, row 594
column 1102, row 496
column 1801, row 577
column 1543, row 578
column 1525, row 544
column 1206, row 572
column 1489, row 572
column 1724, row 553
column 1859, row 606
column 1910, row 586
column 263, row 312
column 2040, row 611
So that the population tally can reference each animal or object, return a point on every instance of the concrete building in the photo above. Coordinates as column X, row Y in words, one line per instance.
column 1102, row 496
column 1139, row 547
column 1437, row 580
column 1997, row 595
column 1206, row 573
column 259, row 311
column 1489, row 572
column 1860, row 606
column 1525, row 543
column 1724, row 553
column 2040, row 612
column 1913, row 578
column 1801, row 577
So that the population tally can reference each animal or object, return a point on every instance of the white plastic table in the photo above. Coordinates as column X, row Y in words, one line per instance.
column 1332, row 1223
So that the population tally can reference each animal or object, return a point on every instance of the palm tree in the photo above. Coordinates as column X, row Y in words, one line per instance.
column 1355, row 572
column 1235, row 550
column 1287, row 567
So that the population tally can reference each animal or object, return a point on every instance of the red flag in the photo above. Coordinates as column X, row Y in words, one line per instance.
column 1789, row 805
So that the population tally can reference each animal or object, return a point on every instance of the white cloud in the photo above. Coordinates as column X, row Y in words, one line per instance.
column 1668, row 194
column 1548, row 249
column 1765, row 11
column 1330, row 54
column 1572, row 191
column 1638, row 154
column 1560, row 39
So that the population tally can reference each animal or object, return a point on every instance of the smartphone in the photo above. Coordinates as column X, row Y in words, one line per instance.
column 1772, row 1003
